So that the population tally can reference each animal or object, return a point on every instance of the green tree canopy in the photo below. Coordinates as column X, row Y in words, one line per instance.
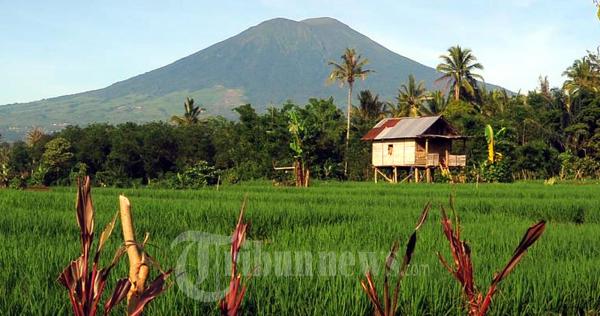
column 411, row 99
column 457, row 68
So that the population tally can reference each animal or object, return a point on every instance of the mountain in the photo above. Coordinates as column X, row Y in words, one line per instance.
column 272, row 62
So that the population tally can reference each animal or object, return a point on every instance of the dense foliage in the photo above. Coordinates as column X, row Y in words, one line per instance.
column 549, row 132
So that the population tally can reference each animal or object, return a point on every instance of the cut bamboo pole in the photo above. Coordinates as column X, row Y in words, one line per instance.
column 138, row 268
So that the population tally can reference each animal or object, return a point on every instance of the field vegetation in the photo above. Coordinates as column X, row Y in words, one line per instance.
column 559, row 274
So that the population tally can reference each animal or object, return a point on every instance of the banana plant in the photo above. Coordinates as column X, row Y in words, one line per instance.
column 4, row 168
column 492, row 138
column 296, row 128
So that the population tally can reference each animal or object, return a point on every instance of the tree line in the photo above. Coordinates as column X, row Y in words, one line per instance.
column 548, row 132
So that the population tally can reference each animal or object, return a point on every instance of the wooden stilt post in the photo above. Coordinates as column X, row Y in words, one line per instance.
column 416, row 175
column 395, row 174
column 376, row 171
column 426, row 152
column 447, row 158
column 428, row 174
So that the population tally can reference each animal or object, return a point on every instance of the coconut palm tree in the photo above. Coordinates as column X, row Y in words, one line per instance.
column 34, row 136
column 457, row 70
column 370, row 107
column 346, row 72
column 544, row 87
column 582, row 76
column 494, row 102
column 437, row 103
column 191, row 114
column 411, row 99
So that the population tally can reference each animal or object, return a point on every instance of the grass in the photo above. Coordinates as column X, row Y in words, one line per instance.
column 38, row 234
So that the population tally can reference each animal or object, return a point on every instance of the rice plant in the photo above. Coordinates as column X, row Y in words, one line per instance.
column 38, row 235
column 389, row 305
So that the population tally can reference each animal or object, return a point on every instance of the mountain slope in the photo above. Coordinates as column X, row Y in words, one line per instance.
column 269, row 63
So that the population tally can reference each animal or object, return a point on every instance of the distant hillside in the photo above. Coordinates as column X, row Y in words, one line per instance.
column 269, row 63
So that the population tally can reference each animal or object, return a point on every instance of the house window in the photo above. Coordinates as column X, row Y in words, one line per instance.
column 390, row 149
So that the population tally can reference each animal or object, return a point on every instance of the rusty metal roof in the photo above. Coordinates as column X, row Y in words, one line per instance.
column 405, row 127
column 383, row 124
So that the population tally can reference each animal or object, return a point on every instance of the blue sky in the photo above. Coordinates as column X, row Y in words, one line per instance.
column 52, row 48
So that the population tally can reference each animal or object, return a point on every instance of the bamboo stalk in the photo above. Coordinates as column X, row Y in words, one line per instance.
column 138, row 269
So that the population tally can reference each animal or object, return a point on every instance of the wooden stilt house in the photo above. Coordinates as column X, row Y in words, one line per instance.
column 417, row 144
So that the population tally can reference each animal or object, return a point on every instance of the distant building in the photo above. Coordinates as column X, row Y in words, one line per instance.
column 413, row 143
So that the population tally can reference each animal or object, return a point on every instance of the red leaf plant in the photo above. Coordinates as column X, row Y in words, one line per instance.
column 149, row 293
column 231, row 303
column 462, row 269
column 86, row 283
column 389, row 305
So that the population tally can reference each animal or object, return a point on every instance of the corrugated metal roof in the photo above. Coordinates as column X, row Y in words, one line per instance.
column 408, row 127
column 405, row 127
column 380, row 126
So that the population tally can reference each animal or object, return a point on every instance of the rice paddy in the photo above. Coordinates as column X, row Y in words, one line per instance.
column 343, row 228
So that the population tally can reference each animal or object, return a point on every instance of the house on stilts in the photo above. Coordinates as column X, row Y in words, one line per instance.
column 417, row 144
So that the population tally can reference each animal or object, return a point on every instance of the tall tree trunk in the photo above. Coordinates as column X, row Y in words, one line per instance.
column 456, row 92
column 348, row 129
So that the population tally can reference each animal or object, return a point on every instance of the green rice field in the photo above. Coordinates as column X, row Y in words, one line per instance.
column 345, row 227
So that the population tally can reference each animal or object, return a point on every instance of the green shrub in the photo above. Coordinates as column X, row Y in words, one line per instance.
column 573, row 167
column 17, row 183
column 538, row 158
column 79, row 171
column 38, row 176
column 4, row 175
column 112, row 178
column 197, row 176
column 250, row 170
column 498, row 171
column 230, row 176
